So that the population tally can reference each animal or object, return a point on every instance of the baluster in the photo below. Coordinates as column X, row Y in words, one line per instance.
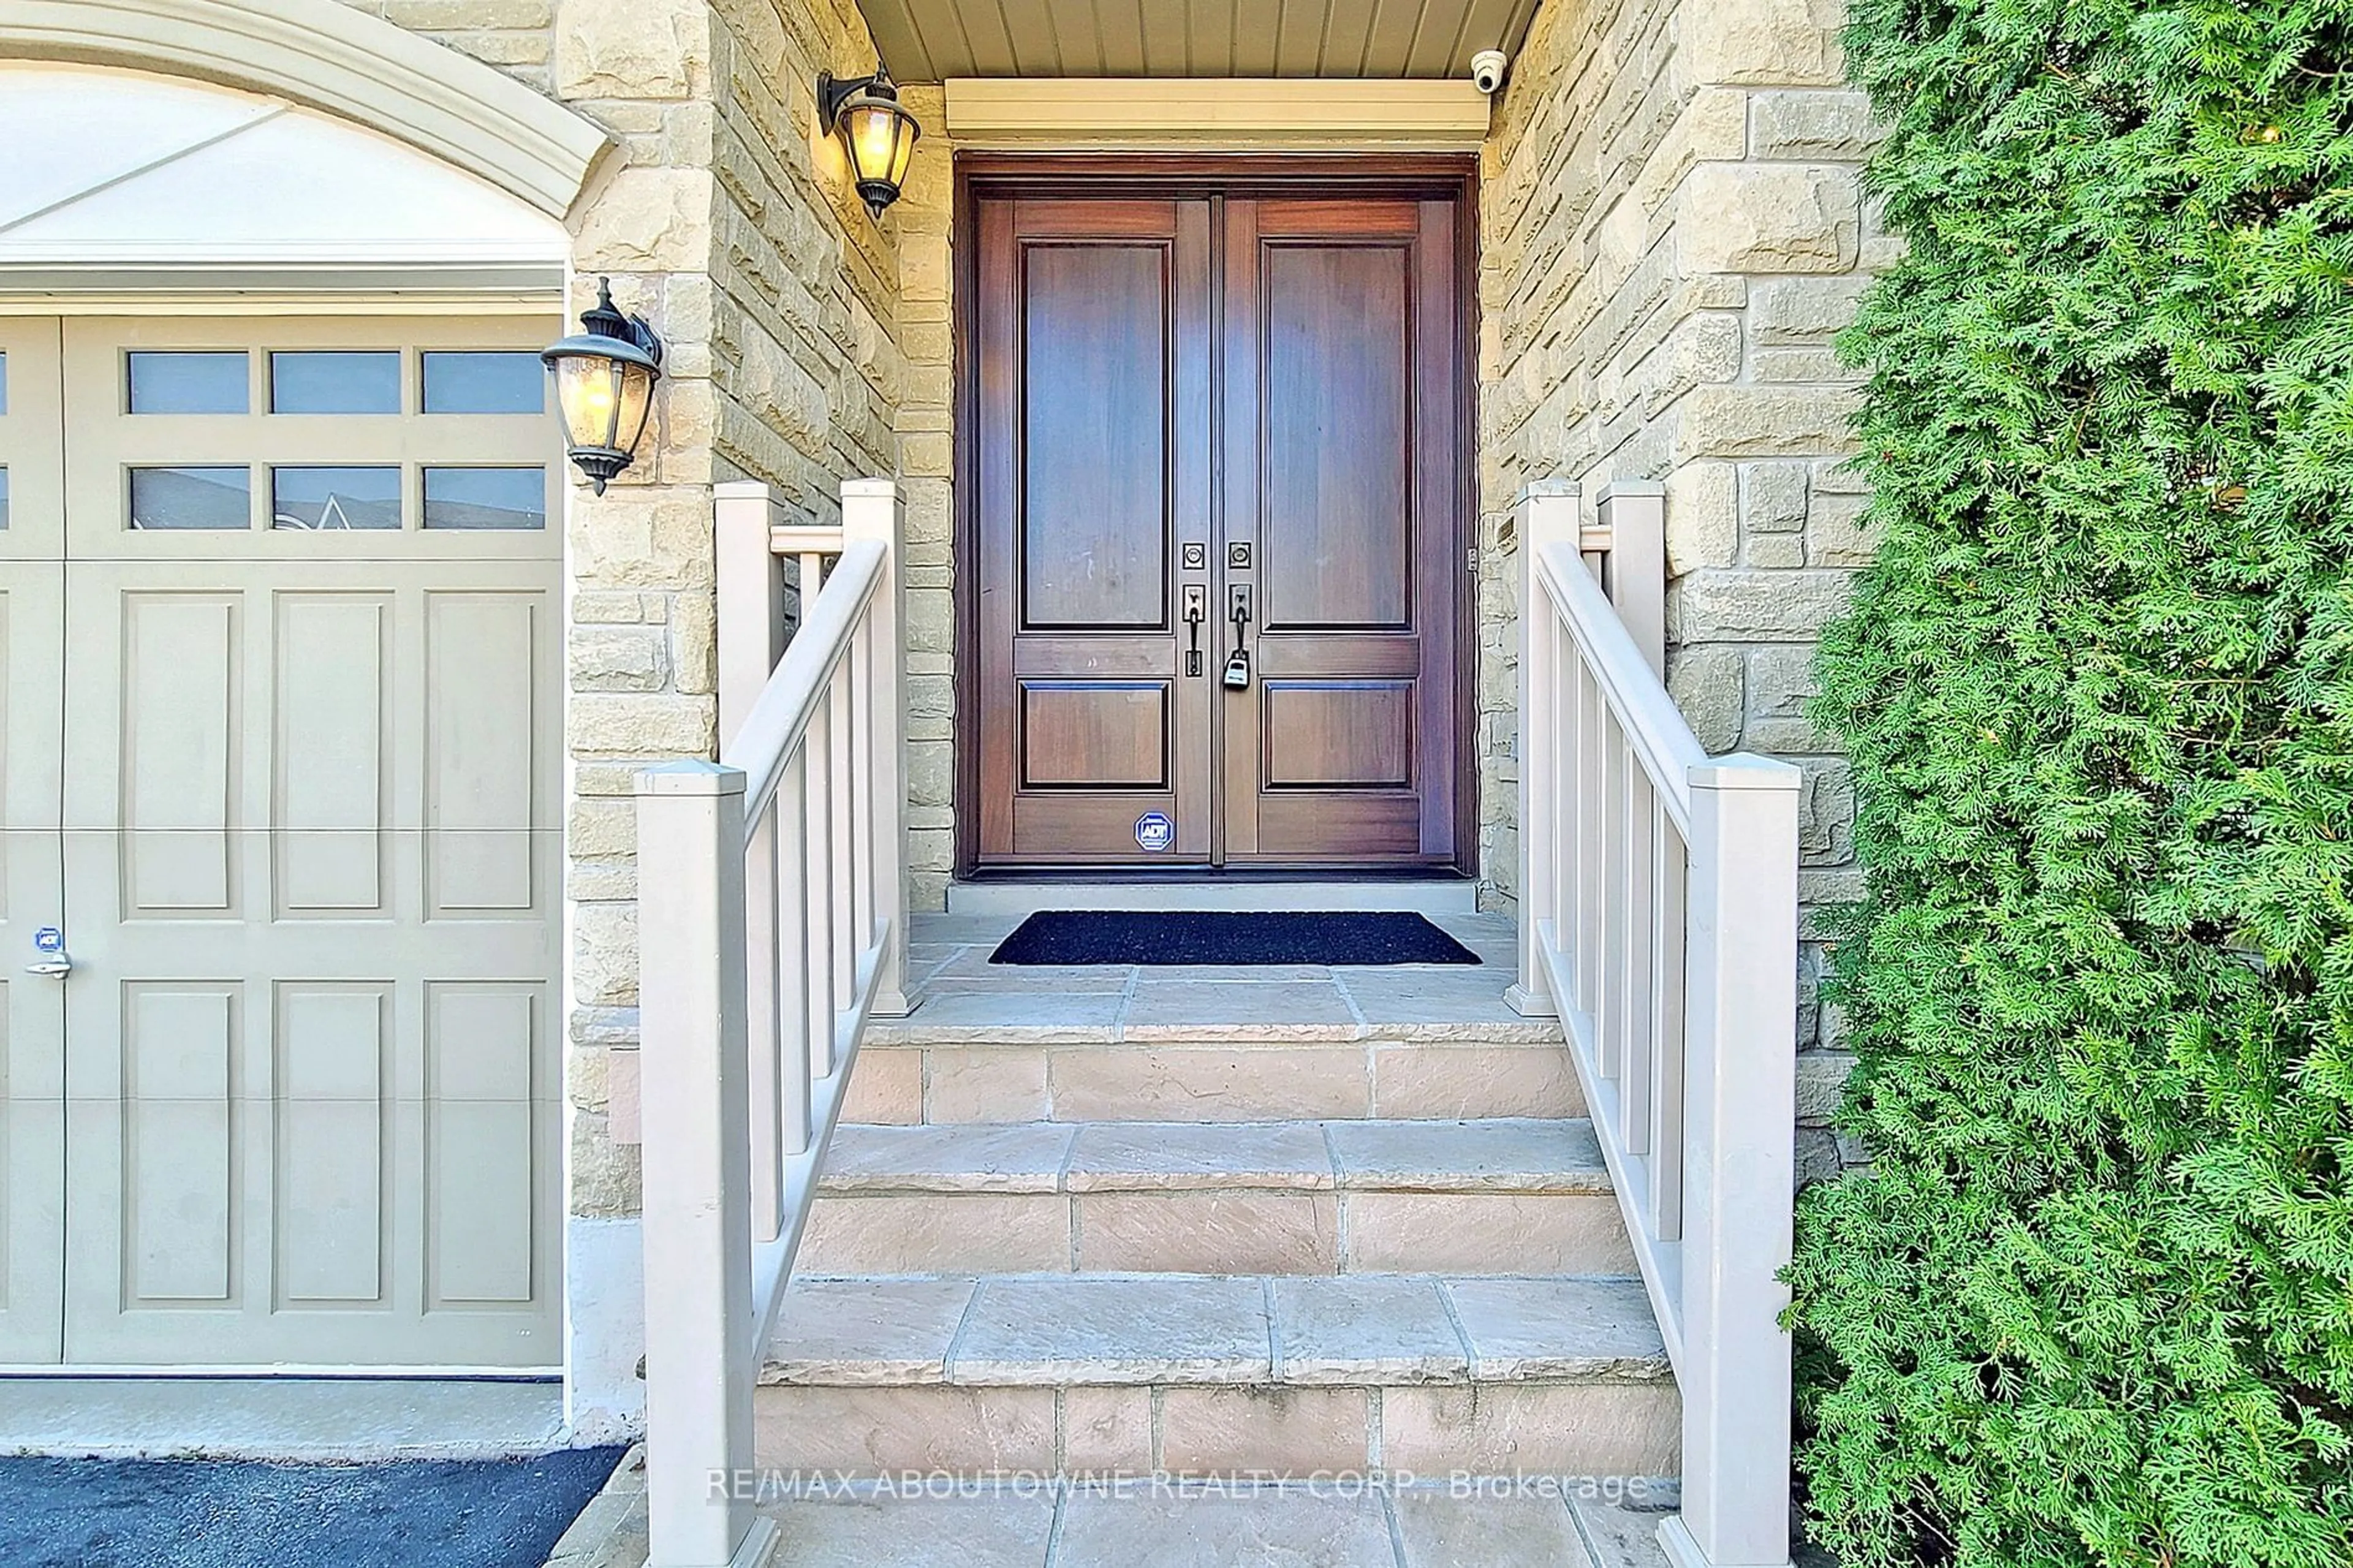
column 1609, row 1007
column 1632, row 981
column 1568, row 833
column 860, row 674
column 847, row 942
column 1669, row 878
column 1592, row 707
column 791, row 878
column 817, row 826
column 762, row 1016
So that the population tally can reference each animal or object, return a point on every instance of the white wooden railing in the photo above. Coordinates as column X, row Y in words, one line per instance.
column 1659, row 918
column 771, row 925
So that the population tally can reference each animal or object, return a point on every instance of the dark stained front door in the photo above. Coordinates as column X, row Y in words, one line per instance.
column 1220, row 577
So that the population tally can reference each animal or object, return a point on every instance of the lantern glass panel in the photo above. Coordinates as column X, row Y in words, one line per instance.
column 588, row 393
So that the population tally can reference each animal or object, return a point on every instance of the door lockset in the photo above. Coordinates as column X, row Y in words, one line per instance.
column 1237, row 672
column 1196, row 610
column 55, row 962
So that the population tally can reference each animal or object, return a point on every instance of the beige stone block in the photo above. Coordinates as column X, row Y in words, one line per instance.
column 1604, row 1429
column 1765, row 43
column 1835, row 531
column 1107, row 1429
column 1754, row 605
column 1487, row 1233
column 869, row 1431
column 650, row 49
column 1706, row 682
column 1763, row 422
column 926, row 1233
column 1803, row 310
column 984, row 1083
column 1772, row 498
column 1808, row 125
column 467, row 15
column 617, row 658
column 648, row 220
column 604, row 955
column 610, row 723
column 1208, row 1233
column 1703, row 517
column 694, row 643
column 642, row 539
column 602, row 827
column 1780, row 686
column 604, row 609
column 885, row 1087
column 604, row 1175
column 1178, row 1083
column 1821, row 1084
column 1302, row 1430
column 1457, row 1081
column 1780, row 551
column 1769, row 217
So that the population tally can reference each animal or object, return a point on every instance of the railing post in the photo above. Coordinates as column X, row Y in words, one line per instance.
column 697, row 1161
column 873, row 508
column 751, row 598
column 1741, row 1028
column 1545, row 515
column 1635, row 512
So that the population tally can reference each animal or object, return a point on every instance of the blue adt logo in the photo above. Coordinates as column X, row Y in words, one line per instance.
column 1155, row 832
column 48, row 939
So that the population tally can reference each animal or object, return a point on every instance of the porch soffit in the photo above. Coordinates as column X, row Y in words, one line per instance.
column 935, row 40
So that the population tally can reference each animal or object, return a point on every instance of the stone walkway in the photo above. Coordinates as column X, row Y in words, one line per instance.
column 1542, row 1522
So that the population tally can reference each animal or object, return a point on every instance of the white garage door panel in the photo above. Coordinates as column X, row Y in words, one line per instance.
column 312, row 1069
column 291, row 787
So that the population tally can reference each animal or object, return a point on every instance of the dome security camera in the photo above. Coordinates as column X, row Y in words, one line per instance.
column 1487, row 70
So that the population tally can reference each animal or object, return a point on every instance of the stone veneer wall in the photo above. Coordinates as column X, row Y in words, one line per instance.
column 729, row 223
column 1671, row 232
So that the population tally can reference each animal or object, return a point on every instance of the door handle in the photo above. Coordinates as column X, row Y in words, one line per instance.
column 56, row 968
column 1237, row 674
column 1196, row 610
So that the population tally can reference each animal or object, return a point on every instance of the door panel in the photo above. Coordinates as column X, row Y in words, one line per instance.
column 32, row 892
column 1331, row 331
column 1341, row 437
column 311, row 852
column 1093, row 354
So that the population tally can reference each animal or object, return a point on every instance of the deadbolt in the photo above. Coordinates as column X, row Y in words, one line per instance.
column 1196, row 558
column 1238, row 554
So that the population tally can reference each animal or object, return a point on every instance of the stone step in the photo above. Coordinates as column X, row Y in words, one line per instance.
column 1497, row 1196
column 1065, row 1375
column 946, row 1072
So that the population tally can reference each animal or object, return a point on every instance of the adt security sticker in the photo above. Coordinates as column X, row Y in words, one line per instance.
column 48, row 939
column 1155, row 832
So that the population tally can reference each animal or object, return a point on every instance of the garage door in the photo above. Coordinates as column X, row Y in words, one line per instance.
column 280, row 603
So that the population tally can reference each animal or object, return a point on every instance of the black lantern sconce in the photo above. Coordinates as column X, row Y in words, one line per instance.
column 605, row 377
column 877, row 134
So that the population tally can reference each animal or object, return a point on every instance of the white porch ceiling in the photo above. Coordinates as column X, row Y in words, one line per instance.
column 932, row 41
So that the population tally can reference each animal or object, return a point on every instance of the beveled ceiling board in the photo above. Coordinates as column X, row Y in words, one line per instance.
column 932, row 41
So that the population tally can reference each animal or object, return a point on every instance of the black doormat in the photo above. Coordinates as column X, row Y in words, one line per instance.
column 1128, row 936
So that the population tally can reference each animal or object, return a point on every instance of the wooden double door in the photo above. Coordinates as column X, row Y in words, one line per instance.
column 1221, row 576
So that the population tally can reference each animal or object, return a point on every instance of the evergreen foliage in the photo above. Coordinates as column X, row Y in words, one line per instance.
column 2093, row 1303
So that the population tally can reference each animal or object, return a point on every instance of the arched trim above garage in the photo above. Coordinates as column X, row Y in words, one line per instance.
column 332, row 57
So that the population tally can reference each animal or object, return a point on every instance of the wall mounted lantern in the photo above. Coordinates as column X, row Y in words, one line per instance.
column 877, row 134
column 605, row 377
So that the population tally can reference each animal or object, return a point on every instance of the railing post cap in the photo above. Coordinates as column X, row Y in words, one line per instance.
column 1629, row 489
column 869, row 489
column 1546, row 489
column 690, row 776
column 743, row 489
column 1746, row 770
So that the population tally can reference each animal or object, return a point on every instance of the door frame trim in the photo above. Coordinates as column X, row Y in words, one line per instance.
column 1178, row 177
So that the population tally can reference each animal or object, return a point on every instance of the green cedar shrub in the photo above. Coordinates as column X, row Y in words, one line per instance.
column 2091, row 1303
